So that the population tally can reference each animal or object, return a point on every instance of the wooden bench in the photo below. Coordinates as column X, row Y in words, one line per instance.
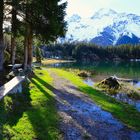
column 13, row 86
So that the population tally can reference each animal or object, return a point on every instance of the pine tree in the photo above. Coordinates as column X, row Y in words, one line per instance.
column 45, row 19
column 41, row 18
column 12, row 9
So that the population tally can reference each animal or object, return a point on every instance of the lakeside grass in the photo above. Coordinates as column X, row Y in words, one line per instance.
column 125, row 88
column 31, row 115
column 53, row 61
column 124, row 112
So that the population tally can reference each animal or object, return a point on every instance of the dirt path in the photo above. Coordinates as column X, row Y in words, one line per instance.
column 82, row 119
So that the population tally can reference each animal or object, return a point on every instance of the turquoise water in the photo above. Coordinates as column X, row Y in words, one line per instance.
column 101, row 70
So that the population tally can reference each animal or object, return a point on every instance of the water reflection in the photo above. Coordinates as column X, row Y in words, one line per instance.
column 124, row 98
column 126, row 69
column 89, row 82
column 137, row 84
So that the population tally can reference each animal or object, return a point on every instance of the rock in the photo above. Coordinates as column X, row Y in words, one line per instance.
column 110, row 82
column 83, row 74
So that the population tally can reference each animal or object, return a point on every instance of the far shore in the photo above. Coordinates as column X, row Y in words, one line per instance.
column 54, row 61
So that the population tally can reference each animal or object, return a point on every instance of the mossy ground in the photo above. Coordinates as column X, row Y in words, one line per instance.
column 32, row 114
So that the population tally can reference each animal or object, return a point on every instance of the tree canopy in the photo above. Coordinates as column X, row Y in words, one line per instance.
column 39, row 19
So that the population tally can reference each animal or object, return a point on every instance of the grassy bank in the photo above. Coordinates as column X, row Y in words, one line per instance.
column 31, row 115
column 124, row 112
column 54, row 61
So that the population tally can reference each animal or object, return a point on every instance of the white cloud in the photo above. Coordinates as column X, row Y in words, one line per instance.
column 87, row 8
column 103, row 3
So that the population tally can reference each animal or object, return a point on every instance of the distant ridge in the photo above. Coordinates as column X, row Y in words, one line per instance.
column 105, row 27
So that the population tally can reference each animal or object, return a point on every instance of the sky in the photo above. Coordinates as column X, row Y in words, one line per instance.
column 87, row 8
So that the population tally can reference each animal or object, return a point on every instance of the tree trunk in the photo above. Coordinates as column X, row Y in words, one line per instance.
column 30, row 50
column 1, row 55
column 26, row 49
column 1, row 36
column 13, row 50
column 13, row 36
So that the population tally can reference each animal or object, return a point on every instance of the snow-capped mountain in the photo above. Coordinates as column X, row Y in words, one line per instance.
column 105, row 27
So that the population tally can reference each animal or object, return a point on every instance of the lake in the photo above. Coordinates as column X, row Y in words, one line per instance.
column 101, row 70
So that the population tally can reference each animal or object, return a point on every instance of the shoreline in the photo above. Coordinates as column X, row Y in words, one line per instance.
column 54, row 61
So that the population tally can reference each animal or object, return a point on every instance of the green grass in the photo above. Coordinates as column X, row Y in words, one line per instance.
column 32, row 114
column 124, row 112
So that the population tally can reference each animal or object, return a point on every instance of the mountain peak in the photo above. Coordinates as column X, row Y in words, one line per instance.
column 105, row 28
column 104, row 12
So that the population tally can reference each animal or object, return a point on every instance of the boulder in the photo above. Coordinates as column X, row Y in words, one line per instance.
column 110, row 82
column 83, row 74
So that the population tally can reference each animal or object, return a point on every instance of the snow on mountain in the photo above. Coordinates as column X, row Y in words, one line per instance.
column 105, row 27
column 104, row 12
